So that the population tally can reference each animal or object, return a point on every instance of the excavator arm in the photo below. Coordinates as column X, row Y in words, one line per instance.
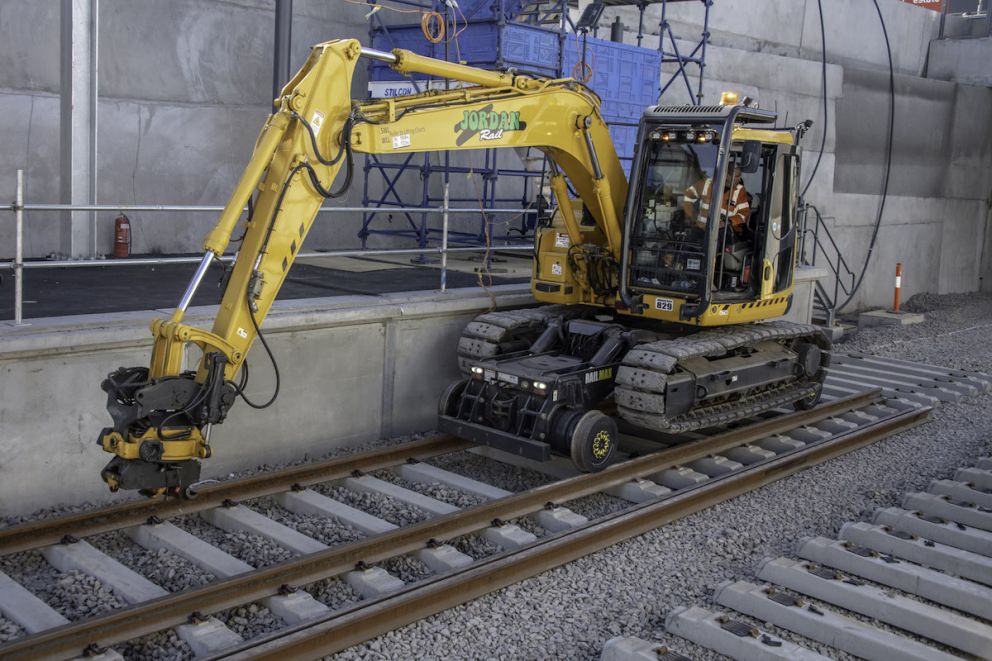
column 163, row 413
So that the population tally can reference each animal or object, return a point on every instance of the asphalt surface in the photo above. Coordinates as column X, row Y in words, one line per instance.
column 57, row 292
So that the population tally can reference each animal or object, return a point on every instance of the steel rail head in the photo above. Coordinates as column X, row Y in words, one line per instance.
column 148, row 617
column 44, row 532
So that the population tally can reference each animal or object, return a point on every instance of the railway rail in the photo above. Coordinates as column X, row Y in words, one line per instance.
column 656, row 488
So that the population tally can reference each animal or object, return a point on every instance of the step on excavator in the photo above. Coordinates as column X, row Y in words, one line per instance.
column 658, row 295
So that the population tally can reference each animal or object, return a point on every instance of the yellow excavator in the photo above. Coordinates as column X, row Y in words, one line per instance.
column 651, row 292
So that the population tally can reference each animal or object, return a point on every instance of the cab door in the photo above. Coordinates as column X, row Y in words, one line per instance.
column 780, row 237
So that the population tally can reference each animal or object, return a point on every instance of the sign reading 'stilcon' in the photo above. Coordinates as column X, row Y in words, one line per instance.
column 488, row 124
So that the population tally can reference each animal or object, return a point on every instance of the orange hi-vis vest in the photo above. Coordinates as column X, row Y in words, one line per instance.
column 735, row 205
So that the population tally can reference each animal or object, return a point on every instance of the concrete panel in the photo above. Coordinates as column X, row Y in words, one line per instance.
column 961, row 60
column 422, row 368
column 854, row 34
column 29, row 32
column 29, row 140
column 960, row 252
column 212, row 52
column 331, row 357
column 917, row 246
column 923, row 116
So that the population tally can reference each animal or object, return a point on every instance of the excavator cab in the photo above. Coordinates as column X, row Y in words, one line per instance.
column 709, row 216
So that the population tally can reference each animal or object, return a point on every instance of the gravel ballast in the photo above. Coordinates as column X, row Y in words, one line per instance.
column 9, row 630
column 629, row 588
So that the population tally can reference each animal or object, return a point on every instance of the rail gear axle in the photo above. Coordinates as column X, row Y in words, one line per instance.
column 651, row 301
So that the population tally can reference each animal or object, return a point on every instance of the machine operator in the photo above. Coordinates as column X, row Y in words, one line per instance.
column 736, row 209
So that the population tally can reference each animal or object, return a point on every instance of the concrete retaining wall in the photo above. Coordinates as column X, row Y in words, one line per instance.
column 353, row 369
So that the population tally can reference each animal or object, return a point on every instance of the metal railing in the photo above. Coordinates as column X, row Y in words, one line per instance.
column 822, row 245
column 19, row 207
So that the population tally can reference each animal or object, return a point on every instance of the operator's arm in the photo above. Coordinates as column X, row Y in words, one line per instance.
column 738, row 209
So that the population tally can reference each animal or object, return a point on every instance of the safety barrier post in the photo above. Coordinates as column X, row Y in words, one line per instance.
column 895, row 299
column 19, row 251
column 444, row 240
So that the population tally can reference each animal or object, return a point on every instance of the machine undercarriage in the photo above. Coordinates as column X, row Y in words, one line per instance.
column 580, row 371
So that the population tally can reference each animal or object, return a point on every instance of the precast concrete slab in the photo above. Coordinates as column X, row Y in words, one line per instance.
column 938, row 624
column 369, row 484
column 105, row 655
column 779, row 443
column 944, row 532
column 722, row 633
column 424, row 472
column 127, row 584
column 638, row 491
column 311, row 502
column 942, row 388
column 714, row 466
column 859, row 418
column 832, row 391
column 963, row 513
column 949, row 559
column 553, row 519
column 931, row 584
column 628, row 648
column 556, row 519
column 291, row 608
column 770, row 603
column 373, row 582
column 879, row 410
column 961, row 492
column 176, row 540
column 860, row 385
column 30, row 613
column 813, row 433
column 557, row 467
column 899, row 366
column 985, row 463
column 748, row 454
column 980, row 477
column 443, row 558
column 678, row 477
column 242, row 519
column 889, row 318
column 208, row 636
column 508, row 536
column 830, row 426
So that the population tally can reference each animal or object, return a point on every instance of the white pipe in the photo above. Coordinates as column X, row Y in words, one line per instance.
column 19, row 252
column 444, row 240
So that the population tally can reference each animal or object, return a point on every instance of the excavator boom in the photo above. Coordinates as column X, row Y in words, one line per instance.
column 163, row 413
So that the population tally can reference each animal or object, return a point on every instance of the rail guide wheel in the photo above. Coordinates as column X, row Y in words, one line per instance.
column 593, row 441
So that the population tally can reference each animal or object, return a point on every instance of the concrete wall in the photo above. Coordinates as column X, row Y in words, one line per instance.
column 961, row 60
column 353, row 369
column 184, row 88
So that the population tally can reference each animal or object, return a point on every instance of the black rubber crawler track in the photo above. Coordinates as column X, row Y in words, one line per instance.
column 641, row 379
column 494, row 333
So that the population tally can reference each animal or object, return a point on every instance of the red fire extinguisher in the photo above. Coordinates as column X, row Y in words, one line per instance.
column 122, row 236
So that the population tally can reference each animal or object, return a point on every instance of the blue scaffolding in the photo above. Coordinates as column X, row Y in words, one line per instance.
column 536, row 36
